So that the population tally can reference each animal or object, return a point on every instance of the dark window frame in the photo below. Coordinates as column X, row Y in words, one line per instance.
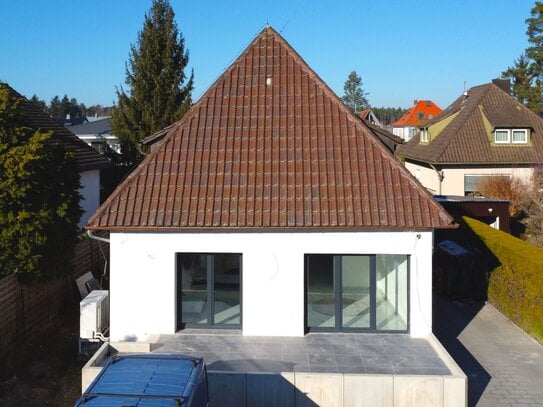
column 210, row 264
column 337, row 292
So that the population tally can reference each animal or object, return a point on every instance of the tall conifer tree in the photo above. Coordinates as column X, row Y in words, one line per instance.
column 355, row 96
column 527, row 71
column 159, row 92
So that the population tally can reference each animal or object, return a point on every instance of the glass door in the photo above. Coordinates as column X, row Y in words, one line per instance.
column 357, row 292
column 208, row 290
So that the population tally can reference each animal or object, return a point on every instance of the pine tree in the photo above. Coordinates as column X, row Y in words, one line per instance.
column 527, row 71
column 159, row 92
column 520, row 73
column 355, row 97
column 54, row 107
column 40, row 102
column 39, row 198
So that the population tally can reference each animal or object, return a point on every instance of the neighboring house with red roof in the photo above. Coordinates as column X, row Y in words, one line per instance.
column 421, row 112
column 89, row 162
column 485, row 132
column 272, row 209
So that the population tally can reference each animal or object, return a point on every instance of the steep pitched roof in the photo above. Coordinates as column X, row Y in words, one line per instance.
column 269, row 147
column 35, row 118
column 466, row 139
column 421, row 112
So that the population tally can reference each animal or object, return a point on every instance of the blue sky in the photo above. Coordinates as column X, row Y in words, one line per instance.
column 403, row 50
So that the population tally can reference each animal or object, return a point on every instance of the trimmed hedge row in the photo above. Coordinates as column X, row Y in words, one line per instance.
column 516, row 283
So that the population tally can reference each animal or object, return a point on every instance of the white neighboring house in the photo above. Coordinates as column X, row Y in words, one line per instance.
column 88, row 160
column 96, row 132
column 484, row 133
column 421, row 112
column 272, row 209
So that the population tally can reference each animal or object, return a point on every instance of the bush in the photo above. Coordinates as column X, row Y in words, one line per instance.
column 516, row 283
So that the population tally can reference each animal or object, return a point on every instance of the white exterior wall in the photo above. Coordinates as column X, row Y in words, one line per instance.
column 405, row 133
column 453, row 183
column 90, row 191
column 143, row 278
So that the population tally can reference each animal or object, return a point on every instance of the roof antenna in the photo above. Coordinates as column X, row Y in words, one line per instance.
column 284, row 25
column 464, row 94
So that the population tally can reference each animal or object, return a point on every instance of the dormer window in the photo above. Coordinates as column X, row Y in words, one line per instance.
column 424, row 138
column 508, row 136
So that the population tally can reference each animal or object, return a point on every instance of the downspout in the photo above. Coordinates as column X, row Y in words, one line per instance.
column 440, row 177
column 91, row 234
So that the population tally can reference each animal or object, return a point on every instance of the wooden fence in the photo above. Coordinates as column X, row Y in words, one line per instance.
column 27, row 309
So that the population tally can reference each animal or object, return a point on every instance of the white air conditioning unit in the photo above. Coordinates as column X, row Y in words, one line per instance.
column 94, row 315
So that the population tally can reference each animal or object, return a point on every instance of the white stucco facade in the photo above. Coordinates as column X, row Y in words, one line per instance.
column 406, row 133
column 90, row 192
column 453, row 180
column 143, row 277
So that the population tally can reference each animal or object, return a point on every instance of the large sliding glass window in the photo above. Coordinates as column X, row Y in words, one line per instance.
column 357, row 292
column 208, row 290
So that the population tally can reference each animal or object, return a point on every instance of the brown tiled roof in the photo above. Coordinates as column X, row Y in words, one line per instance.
column 465, row 140
column 269, row 147
column 35, row 118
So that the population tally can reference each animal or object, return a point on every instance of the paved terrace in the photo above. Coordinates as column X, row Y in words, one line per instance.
column 316, row 352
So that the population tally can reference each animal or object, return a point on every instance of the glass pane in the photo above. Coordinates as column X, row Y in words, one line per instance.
column 519, row 136
column 391, row 292
column 320, row 291
column 227, row 289
column 194, row 301
column 502, row 136
column 355, row 298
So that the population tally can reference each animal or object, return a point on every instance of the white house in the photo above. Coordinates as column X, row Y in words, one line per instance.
column 272, row 209
column 97, row 133
column 484, row 133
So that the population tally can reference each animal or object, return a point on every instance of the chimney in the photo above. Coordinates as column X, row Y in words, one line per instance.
column 415, row 101
column 504, row 84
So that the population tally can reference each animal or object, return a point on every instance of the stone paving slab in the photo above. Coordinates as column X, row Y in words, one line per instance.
column 312, row 353
column 503, row 364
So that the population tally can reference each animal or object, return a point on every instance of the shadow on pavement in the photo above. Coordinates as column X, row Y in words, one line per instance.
column 450, row 318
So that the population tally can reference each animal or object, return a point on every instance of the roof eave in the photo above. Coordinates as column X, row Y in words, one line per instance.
column 314, row 229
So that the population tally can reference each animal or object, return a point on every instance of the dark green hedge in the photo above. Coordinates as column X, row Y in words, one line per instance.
column 516, row 283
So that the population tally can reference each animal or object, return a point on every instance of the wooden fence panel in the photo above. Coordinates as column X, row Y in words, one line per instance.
column 26, row 309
